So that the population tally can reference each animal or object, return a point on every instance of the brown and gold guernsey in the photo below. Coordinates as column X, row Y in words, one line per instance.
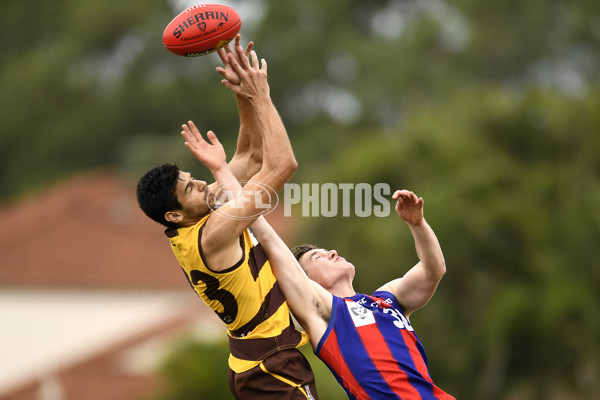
column 246, row 297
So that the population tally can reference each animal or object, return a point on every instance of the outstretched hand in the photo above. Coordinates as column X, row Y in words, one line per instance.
column 212, row 154
column 250, row 74
column 408, row 206
column 227, row 71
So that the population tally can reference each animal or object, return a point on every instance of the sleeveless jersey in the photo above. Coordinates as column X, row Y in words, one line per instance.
column 373, row 351
column 246, row 297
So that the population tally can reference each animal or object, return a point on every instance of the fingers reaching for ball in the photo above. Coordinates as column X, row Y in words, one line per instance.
column 409, row 206
column 252, row 74
column 227, row 71
column 212, row 154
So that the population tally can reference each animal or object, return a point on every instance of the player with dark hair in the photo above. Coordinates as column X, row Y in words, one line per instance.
column 221, row 259
column 156, row 193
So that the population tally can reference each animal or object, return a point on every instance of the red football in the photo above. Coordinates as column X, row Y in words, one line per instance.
column 201, row 29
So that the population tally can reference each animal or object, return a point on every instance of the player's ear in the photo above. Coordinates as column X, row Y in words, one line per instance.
column 174, row 216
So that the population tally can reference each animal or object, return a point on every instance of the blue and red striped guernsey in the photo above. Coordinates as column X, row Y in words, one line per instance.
column 373, row 351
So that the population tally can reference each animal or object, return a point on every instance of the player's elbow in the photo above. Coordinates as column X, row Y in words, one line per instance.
column 287, row 168
column 254, row 163
column 292, row 167
column 436, row 270
column 256, row 158
column 440, row 270
column 278, row 174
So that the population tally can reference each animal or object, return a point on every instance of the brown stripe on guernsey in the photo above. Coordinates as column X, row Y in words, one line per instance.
column 257, row 260
column 273, row 300
column 259, row 349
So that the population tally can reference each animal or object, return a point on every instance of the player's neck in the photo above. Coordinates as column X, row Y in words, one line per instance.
column 342, row 290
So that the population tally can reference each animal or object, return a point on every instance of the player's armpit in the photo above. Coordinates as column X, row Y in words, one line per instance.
column 413, row 290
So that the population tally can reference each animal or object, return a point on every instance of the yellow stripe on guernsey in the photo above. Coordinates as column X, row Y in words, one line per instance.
column 246, row 297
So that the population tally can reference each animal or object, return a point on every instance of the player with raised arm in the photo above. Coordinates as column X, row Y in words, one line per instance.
column 366, row 340
column 223, row 262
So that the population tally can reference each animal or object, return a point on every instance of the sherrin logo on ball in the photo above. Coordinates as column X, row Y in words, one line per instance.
column 201, row 29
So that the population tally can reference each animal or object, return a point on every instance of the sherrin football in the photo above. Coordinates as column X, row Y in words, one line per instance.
column 201, row 29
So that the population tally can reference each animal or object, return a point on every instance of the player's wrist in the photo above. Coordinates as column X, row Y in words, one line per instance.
column 417, row 224
column 261, row 100
column 219, row 168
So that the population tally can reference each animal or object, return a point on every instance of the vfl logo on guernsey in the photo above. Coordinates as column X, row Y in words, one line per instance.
column 361, row 316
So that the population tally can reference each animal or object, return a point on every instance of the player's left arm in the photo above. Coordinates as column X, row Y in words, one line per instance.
column 212, row 155
column 418, row 285
column 309, row 302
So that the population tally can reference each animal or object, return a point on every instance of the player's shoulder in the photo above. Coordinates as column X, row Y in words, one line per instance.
column 387, row 296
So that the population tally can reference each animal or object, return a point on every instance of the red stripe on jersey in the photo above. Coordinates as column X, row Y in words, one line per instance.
column 421, row 366
column 384, row 361
column 409, row 340
column 332, row 355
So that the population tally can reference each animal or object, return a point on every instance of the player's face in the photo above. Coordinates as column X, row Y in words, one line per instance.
column 326, row 267
column 194, row 196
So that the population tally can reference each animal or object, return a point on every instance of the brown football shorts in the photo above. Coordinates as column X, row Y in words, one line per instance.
column 286, row 375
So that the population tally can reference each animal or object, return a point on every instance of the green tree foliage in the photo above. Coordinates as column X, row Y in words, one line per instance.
column 88, row 83
column 196, row 371
column 489, row 110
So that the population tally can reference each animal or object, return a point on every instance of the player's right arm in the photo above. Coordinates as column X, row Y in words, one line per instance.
column 309, row 302
column 418, row 285
column 248, row 156
column 220, row 238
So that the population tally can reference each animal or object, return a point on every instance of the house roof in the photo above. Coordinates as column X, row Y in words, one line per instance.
column 89, row 232
column 86, row 232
